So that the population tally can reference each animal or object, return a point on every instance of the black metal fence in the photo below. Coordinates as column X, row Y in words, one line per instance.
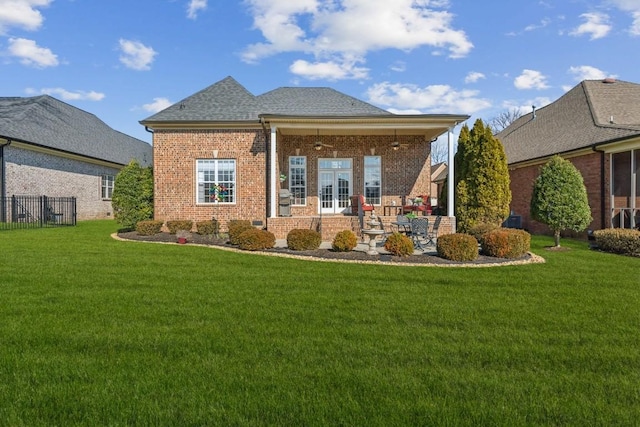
column 36, row 212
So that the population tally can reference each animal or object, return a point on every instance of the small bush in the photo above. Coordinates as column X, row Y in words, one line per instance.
column 207, row 228
column 148, row 228
column 399, row 245
column 174, row 226
column 303, row 239
column 506, row 243
column 618, row 241
column 479, row 230
column 237, row 227
column 457, row 247
column 344, row 241
column 256, row 240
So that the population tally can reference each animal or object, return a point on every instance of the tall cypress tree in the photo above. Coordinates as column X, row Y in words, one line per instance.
column 482, row 178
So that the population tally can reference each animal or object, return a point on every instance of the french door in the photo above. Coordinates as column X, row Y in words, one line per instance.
column 335, row 178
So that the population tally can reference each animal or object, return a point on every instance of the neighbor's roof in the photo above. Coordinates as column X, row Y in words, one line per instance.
column 228, row 101
column 47, row 122
column 592, row 113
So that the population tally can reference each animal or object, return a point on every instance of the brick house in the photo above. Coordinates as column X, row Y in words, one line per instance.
column 48, row 147
column 596, row 126
column 226, row 153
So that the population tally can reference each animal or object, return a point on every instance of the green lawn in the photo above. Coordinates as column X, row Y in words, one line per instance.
column 95, row 331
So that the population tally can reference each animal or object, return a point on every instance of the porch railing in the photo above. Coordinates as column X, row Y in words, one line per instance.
column 36, row 212
column 625, row 218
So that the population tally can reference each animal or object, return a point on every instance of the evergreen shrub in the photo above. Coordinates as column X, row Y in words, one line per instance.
column 506, row 243
column 457, row 247
column 181, row 224
column 207, row 228
column 344, row 241
column 399, row 245
column 256, row 240
column 300, row 239
column 148, row 228
column 618, row 241
column 479, row 230
column 237, row 227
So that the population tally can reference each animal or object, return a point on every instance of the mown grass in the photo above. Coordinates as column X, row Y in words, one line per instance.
column 95, row 331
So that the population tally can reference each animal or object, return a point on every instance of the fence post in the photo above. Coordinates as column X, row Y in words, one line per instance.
column 43, row 207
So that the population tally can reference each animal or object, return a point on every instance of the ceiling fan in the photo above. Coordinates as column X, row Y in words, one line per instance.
column 395, row 144
column 319, row 144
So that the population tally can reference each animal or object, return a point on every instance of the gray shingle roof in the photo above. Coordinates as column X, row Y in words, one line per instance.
column 48, row 122
column 578, row 119
column 227, row 100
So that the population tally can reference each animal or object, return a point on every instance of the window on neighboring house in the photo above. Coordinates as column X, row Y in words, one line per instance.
column 107, row 186
column 372, row 179
column 298, row 179
column 216, row 181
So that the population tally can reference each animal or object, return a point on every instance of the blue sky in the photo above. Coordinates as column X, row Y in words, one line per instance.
column 125, row 60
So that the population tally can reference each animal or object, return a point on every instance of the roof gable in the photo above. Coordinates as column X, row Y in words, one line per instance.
column 48, row 122
column 577, row 120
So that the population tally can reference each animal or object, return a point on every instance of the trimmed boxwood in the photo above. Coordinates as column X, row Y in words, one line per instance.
column 399, row 245
column 457, row 247
column 207, row 228
column 237, row 227
column 618, row 241
column 148, row 228
column 176, row 225
column 256, row 240
column 506, row 243
column 344, row 241
column 300, row 239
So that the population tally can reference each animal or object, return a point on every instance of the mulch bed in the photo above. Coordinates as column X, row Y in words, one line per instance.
column 328, row 254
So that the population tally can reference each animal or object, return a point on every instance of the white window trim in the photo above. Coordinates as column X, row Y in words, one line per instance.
column 197, row 181
column 306, row 179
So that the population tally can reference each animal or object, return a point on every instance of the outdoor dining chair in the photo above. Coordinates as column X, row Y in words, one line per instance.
column 432, row 235
column 420, row 232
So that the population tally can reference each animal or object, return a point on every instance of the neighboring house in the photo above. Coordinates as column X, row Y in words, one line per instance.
column 226, row 153
column 439, row 173
column 595, row 125
column 48, row 147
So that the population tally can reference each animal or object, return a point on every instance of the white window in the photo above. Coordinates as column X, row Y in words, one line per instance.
column 107, row 186
column 298, row 179
column 216, row 180
column 372, row 179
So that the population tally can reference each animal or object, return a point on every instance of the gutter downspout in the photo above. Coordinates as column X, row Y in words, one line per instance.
column 3, row 184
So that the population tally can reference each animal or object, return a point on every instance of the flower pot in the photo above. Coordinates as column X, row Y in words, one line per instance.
column 182, row 240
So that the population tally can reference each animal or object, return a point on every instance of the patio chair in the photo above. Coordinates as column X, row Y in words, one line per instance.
column 402, row 224
column 432, row 235
column 420, row 232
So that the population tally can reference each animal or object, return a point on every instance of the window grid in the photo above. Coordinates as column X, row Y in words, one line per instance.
column 298, row 179
column 216, row 181
column 372, row 179
column 107, row 186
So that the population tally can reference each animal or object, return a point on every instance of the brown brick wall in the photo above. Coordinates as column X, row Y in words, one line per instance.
column 589, row 165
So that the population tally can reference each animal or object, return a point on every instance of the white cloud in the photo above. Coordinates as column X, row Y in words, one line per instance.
column 635, row 26
column 473, row 77
column 432, row 99
column 399, row 66
column 352, row 28
column 596, row 25
column 329, row 70
column 543, row 23
column 632, row 7
column 531, row 79
column 66, row 95
column 158, row 104
column 31, row 54
column 526, row 106
column 194, row 7
column 587, row 72
column 21, row 13
column 135, row 55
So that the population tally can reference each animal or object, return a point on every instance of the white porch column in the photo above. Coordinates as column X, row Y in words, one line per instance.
column 450, row 183
column 272, row 180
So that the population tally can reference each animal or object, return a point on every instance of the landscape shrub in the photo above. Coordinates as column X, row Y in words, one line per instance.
column 148, row 228
column 181, row 224
column 344, row 241
column 207, row 228
column 256, row 240
column 237, row 227
column 618, row 241
column 399, row 245
column 132, row 198
column 506, row 243
column 457, row 247
column 479, row 230
column 300, row 239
